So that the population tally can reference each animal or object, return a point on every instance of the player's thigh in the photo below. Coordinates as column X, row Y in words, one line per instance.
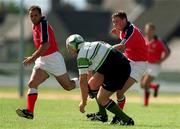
column 37, row 77
column 142, row 81
column 126, row 86
column 103, row 96
column 96, row 81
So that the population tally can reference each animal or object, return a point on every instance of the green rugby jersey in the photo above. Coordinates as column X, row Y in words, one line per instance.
column 91, row 56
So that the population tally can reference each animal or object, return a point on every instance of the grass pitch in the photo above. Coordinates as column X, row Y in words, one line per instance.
column 64, row 114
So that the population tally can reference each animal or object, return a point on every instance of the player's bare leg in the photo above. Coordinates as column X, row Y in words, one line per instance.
column 145, row 83
column 66, row 82
column 37, row 77
column 103, row 98
column 121, row 99
column 120, row 93
column 94, row 83
column 155, row 87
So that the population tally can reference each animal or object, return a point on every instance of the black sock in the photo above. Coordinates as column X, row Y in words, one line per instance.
column 102, row 110
column 113, row 108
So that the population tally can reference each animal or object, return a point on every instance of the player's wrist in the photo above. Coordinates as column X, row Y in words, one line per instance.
column 84, row 102
column 33, row 57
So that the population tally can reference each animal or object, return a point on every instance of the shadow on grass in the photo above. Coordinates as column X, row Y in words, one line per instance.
column 159, row 126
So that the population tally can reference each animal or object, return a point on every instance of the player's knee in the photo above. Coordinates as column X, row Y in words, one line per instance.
column 68, row 87
column 145, row 84
column 94, row 83
column 32, row 84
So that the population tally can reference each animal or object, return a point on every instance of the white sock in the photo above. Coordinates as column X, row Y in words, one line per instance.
column 32, row 91
column 121, row 99
column 76, row 80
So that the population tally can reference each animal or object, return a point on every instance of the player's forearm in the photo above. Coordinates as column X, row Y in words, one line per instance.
column 84, row 91
column 164, row 57
column 41, row 50
column 119, row 47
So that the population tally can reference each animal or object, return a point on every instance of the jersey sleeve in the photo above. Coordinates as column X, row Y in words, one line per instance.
column 44, row 31
column 83, row 65
column 128, row 35
column 164, row 46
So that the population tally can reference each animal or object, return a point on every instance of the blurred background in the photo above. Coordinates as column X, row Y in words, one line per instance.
column 92, row 20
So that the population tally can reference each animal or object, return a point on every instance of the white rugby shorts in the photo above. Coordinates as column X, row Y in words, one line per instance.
column 53, row 64
column 153, row 69
column 138, row 68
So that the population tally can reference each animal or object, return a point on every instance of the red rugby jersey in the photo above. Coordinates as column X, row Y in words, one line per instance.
column 136, row 47
column 155, row 49
column 43, row 33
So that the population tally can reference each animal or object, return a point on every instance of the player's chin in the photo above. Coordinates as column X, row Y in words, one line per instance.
column 35, row 22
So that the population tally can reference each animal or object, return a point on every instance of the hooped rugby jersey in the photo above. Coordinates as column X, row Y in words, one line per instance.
column 92, row 55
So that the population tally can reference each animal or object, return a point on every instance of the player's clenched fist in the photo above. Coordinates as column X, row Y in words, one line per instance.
column 28, row 60
column 115, row 31
column 82, row 107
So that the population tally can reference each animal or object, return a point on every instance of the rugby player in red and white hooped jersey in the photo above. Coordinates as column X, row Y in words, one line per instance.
column 158, row 51
column 134, row 47
column 47, row 61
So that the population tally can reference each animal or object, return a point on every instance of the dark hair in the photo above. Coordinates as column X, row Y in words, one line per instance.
column 121, row 14
column 35, row 7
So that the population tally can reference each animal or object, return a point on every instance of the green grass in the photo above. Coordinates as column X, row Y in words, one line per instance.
column 43, row 89
column 59, row 90
column 64, row 114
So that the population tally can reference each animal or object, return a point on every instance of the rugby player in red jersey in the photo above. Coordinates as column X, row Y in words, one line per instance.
column 134, row 47
column 158, row 51
column 47, row 61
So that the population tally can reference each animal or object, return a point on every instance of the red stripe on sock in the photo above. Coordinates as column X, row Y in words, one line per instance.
column 31, row 100
column 121, row 103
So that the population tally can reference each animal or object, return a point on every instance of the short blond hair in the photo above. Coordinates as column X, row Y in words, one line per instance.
column 151, row 25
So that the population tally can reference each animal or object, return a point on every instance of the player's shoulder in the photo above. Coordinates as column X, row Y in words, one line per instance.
column 129, row 26
column 84, row 48
column 43, row 19
column 134, row 29
column 165, row 44
column 159, row 40
column 162, row 42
